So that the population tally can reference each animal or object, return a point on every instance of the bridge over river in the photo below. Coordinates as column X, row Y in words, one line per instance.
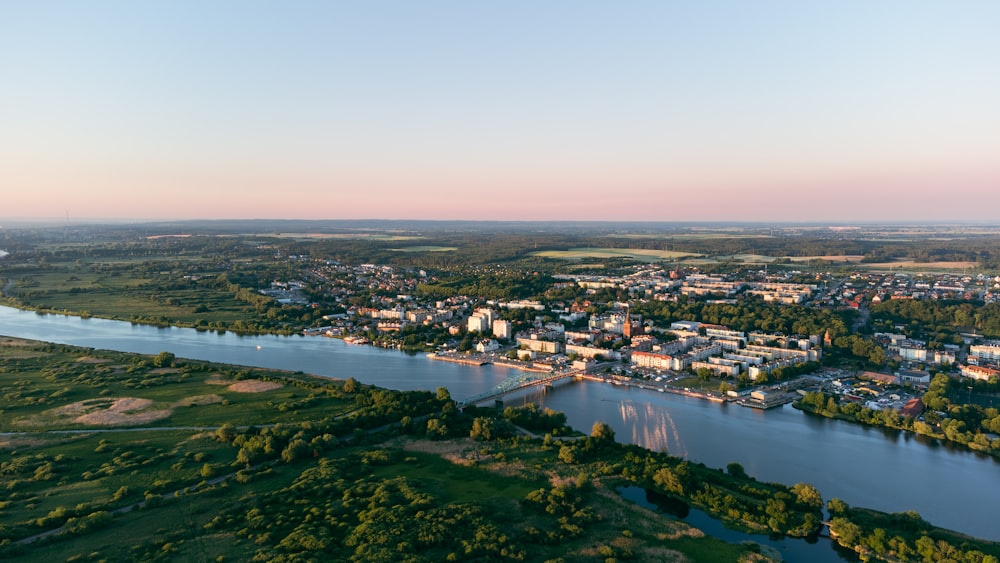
column 522, row 380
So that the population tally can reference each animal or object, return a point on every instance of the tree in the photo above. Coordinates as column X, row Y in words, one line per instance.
column 163, row 359
column 121, row 493
column 351, row 385
column 244, row 457
column 668, row 481
column 483, row 429
column 807, row 494
column 443, row 394
column 736, row 470
column 436, row 429
column 836, row 506
column 602, row 432
column 567, row 454
column 831, row 406
column 226, row 433
column 877, row 356
column 848, row 533
column 294, row 450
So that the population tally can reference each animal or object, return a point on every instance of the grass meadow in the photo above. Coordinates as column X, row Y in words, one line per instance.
column 262, row 477
column 647, row 255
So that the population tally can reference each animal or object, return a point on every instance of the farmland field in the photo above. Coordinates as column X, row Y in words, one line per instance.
column 425, row 249
column 689, row 236
column 339, row 236
column 635, row 253
column 911, row 266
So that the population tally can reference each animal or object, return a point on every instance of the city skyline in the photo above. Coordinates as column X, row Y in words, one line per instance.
column 646, row 111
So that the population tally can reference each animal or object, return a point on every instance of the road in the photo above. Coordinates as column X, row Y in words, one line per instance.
column 863, row 314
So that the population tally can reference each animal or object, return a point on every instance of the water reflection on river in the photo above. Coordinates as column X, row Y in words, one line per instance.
column 652, row 427
column 888, row 471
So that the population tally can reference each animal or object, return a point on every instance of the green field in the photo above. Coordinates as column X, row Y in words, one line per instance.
column 340, row 236
column 160, row 290
column 67, row 287
column 266, row 465
column 763, row 259
column 640, row 254
column 687, row 236
column 49, row 387
column 266, row 478
column 693, row 382
column 909, row 266
column 425, row 249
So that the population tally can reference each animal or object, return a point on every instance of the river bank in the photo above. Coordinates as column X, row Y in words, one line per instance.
column 781, row 445
column 987, row 449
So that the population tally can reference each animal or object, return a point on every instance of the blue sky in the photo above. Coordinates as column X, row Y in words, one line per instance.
column 820, row 111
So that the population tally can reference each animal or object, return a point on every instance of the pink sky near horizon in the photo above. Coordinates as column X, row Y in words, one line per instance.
column 831, row 198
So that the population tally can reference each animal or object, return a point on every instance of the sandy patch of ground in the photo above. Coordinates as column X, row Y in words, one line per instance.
column 124, row 411
column 161, row 371
column 81, row 407
column 198, row 400
column 9, row 355
column 8, row 346
column 108, row 411
column 116, row 411
column 15, row 442
column 562, row 480
column 253, row 386
column 112, row 418
column 129, row 404
column 442, row 448
column 461, row 452
column 92, row 360
column 218, row 379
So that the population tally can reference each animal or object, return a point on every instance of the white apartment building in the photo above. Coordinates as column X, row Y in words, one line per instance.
column 988, row 352
column 502, row 329
column 481, row 321
column 546, row 346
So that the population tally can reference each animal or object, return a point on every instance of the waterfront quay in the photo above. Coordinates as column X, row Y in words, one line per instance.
column 483, row 359
column 762, row 398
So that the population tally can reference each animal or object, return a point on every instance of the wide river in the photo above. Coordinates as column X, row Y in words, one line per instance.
column 890, row 471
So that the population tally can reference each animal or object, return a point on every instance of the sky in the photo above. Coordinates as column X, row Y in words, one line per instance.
column 770, row 110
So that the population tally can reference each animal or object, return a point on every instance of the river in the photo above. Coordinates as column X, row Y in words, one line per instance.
column 890, row 471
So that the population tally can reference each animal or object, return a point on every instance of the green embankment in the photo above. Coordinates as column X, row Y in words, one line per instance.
column 292, row 467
